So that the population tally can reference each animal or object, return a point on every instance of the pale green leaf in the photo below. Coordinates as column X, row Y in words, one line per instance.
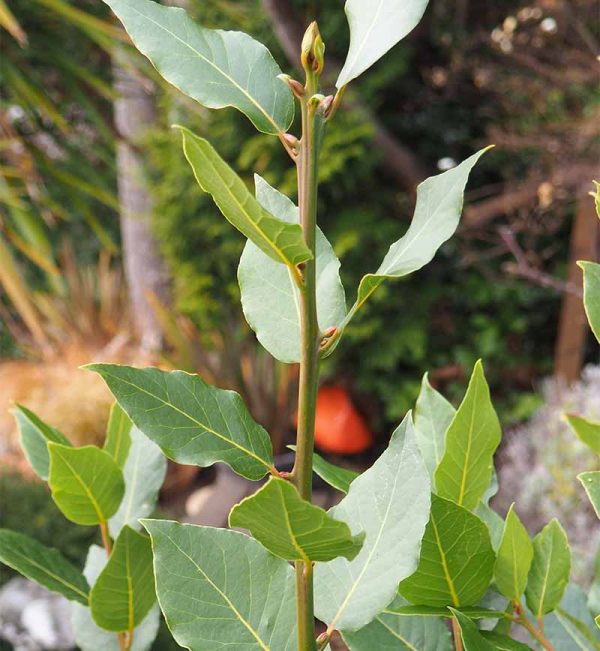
column 591, row 294
column 457, row 559
column 124, row 592
column 88, row 635
column 118, row 440
column 221, row 589
column 291, row 527
column 439, row 205
column 571, row 626
column 214, row 67
column 591, row 482
column 390, row 631
column 587, row 430
column 144, row 473
column 514, row 558
column 86, row 483
column 472, row 638
column 42, row 564
column 189, row 420
column 270, row 295
column 390, row 503
column 433, row 415
column 35, row 435
column 280, row 240
column 550, row 569
column 472, row 612
column 375, row 27
column 494, row 522
column 465, row 470
column 504, row 643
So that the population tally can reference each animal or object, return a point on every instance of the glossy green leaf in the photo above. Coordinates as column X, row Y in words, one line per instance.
column 550, row 569
column 35, row 435
column 88, row 635
column 433, row 415
column 118, row 440
column 504, row 643
column 144, row 473
column 591, row 482
column 189, row 420
column 465, row 470
column 124, row 592
column 439, row 205
column 337, row 477
column 375, row 27
column 390, row 503
column 390, row 631
column 291, row 527
column 246, row 595
column 472, row 638
column 214, row 67
column 42, row 564
column 587, row 430
column 271, row 297
column 472, row 612
column 457, row 559
column 591, row 294
column 281, row 241
column 86, row 483
column 514, row 558
column 571, row 626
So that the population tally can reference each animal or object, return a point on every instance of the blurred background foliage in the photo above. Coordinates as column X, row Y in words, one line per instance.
column 518, row 74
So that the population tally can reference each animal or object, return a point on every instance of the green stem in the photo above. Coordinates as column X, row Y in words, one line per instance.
column 309, row 364
column 536, row 634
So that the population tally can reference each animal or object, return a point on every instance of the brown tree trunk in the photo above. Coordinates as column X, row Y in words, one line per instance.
column 573, row 329
column 144, row 269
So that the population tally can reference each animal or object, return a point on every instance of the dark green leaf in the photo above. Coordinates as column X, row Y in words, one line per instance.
column 246, row 595
column 291, row 527
column 86, row 483
column 514, row 558
column 42, row 564
column 457, row 559
column 503, row 642
column 214, row 67
column 470, row 634
column 339, row 478
column 474, row 612
column 35, row 435
column 118, row 441
column 189, row 420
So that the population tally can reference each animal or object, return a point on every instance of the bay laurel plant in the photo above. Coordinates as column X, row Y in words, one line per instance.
column 413, row 557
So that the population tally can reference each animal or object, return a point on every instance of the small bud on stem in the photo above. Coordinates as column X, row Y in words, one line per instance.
column 312, row 54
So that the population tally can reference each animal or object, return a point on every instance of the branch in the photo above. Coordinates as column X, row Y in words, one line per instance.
column 399, row 159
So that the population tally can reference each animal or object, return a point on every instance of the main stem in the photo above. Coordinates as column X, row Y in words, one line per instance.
column 309, row 363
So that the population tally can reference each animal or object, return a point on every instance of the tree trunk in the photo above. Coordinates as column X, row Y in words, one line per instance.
column 144, row 269
column 573, row 329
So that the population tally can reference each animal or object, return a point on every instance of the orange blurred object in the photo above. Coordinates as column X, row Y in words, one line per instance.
column 339, row 428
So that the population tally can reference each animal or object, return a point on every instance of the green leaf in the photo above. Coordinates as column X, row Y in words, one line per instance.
column 503, row 642
column 571, row 626
column 433, row 415
column 214, row 67
column 118, row 440
column 88, row 635
column 35, row 435
column 375, row 27
column 493, row 521
column 281, row 241
column 514, row 558
column 591, row 482
column 246, row 595
column 124, row 592
column 144, row 473
column 291, row 527
column 189, row 420
column 338, row 478
column 474, row 612
column 439, row 205
column 457, row 559
column 270, row 295
column 465, row 470
column 86, row 483
column 587, row 430
column 390, row 503
column 42, row 564
column 390, row 631
column 591, row 294
column 550, row 568
column 470, row 634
